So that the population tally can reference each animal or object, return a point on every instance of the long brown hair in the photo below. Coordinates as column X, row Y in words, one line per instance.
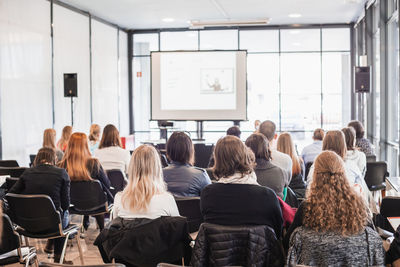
column 335, row 141
column 45, row 155
column 77, row 158
column 285, row 145
column 94, row 132
column 259, row 144
column 65, row 135
column 232, row 156
column 110, row 137
column 49, row 138
column 145, row 179
column 350, row 136
column 332, row 204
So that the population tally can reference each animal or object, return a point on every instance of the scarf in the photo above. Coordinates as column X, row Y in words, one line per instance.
column 238, row 179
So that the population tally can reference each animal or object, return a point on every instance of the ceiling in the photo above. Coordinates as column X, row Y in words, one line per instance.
column 149, row 14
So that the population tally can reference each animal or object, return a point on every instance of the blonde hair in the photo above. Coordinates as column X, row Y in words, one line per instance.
column 94, row 132
column 332, row 204
column 66, row 134
column 145, row 179
column 336, row 142
column 285, row 145
column 77, row 158
column 49, row 138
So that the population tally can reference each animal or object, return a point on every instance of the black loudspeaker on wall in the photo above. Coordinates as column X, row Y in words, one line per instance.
column 362, row 79
column 70, row 85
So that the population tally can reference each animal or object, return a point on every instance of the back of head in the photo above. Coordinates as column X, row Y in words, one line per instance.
column 94, row 132
column 332, row 204
column 259, row 144
column 180, row 148
column 335, row 141
column 268, row 129
column 66, row 133
column 234, row 130
column 110, row 137
column 318, row 134
column 145, row 179
column 232, row 156
column 285, row 145
column 350, row 136
column 49, row 138
column 358, row 127
column 45, row 155
column 76, row 157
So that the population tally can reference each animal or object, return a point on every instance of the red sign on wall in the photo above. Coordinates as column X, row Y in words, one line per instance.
column 139, row 74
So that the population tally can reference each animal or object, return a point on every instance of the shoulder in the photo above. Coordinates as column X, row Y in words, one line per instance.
column 281, row 156
column 164, row 197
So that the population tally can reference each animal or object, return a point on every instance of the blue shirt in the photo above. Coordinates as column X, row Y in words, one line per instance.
column 310, row 152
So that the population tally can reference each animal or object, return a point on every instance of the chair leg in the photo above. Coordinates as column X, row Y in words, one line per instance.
column 78, row 240
column 64, row 248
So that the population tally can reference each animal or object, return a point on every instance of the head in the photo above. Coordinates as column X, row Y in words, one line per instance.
column 49, row 138
column 66, row 133
column 180, row 148
column 234, row 130
column 76, row 157
column 268, row 129
column 350, row 137
column 285, row 145
column 257, row 124
column 145, row 179
column 259, row 144
column 232, row 156
column 358, row 127
column 110, row 137
column 45, row 155
column 94, row 132
column 335, row 141
column 318, row 134
column 332, row 204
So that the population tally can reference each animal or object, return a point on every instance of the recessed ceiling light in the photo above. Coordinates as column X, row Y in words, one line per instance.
column 168, row 19
column 294, row 15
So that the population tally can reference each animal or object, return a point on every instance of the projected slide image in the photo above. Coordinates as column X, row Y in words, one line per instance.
column 217, row 81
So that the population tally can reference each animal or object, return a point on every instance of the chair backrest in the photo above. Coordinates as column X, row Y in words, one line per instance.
column 10, row 182
column 12, row 171
column 164, row 160
column 202, row 154
column 9, row 238
column 87, row 195
column 8, row 163
column 308, row 166
column 189, row 207
column 32, row 158
column 117, row 180
column 390, row 207
column 376, row 173
column 371, row 158
column 51, row 264
column 34, row 213
column 210, row 174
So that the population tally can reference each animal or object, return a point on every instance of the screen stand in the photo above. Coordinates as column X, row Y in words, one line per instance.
column 72, row 111
column 199, row 131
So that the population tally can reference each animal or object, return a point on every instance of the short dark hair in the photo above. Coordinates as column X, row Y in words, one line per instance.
column 358, row 127
column 319, row 134
column 180, row 148
column 232, row 156
column 234, row 130
column 45, row 155
column 268, row 128
column 350, row 137
column 258, row 143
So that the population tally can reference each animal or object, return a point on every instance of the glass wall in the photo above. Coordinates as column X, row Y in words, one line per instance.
column 299, row 78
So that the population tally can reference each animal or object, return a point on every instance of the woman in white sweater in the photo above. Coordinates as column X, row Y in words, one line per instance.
column 110, row 153
column 146, row 194
column 353, row 154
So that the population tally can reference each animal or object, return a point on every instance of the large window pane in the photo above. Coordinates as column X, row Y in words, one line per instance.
column 144, row 43
column 260, row 40
column 222, row 40
column 187, row 40
column 300, row 40
column 141, row 92
column 336, row 39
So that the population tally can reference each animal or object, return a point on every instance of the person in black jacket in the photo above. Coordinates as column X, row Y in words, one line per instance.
column 237, row 198
column 81, row 166
column 45, row 178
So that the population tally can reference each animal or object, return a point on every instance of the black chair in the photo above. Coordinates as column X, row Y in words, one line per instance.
column 32, row 159
column 371, row 158
column 36, row 217
column 308, row 166
column 10, row 244
column 189, row 207
column 117, row 179
column 10, row 182
column 210, row 174
column 164, row 160
column 390, row 207
column 376, row 174
column 50, row 264
column 12, row 171
column 8, row 163
column 88, row 198
column 202, row 155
